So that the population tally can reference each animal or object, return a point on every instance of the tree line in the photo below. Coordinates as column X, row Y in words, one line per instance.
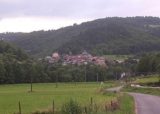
column 17, row 67
column 149, row 63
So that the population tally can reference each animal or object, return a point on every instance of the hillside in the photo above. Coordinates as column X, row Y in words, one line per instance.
column 115, row 35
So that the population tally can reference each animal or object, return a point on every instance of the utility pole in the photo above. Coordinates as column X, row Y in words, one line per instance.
column 31, row 85
column 85, row 74
column 57, row 81
column 85, row 71
column 97, row 77
column 31, row 90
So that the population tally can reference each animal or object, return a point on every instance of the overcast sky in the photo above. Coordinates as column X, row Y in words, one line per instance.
column 30, row 15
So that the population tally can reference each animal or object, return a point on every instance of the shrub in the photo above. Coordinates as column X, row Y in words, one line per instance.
column 71, row 107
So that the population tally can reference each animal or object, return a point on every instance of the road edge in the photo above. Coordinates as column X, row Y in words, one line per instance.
column 135, row 104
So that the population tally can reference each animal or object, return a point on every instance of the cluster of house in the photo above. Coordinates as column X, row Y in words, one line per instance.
column 80, row 59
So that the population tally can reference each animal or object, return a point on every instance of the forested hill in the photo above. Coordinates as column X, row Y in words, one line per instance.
column 103, row 36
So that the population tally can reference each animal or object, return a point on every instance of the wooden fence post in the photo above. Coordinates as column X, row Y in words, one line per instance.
column 19, row 104
column 53, row 108
column 85, row 110
column 91, row 101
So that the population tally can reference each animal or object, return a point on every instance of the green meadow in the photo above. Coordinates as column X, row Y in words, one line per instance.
column 44, row 93
column 147, row 79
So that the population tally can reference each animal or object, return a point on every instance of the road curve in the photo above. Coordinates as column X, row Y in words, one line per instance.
column 146, row 104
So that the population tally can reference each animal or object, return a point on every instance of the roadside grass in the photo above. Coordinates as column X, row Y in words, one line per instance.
column 126, row 105
column 146, row 80
column 151, row 91
column 44, row 93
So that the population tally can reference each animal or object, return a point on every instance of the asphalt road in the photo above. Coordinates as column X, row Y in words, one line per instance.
column 146, row 104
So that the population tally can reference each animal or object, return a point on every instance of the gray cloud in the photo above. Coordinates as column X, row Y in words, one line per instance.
column 78, row 8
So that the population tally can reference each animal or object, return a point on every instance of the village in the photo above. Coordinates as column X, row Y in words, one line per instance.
column 80, row 59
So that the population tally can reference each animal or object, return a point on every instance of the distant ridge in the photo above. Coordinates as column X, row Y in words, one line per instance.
column 111, row 35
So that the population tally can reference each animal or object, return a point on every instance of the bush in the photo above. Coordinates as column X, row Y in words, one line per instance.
column 71, row 107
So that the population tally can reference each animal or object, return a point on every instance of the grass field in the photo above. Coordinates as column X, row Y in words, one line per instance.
column 151, row 91
column 44, row 94
column 147, row 79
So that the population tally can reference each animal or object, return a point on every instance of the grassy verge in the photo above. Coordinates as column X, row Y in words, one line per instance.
column 147, row 81
column 126, row 105
column 151, row 80
column 151, row 91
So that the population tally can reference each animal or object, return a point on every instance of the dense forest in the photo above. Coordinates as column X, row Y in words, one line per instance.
column 116, row 35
